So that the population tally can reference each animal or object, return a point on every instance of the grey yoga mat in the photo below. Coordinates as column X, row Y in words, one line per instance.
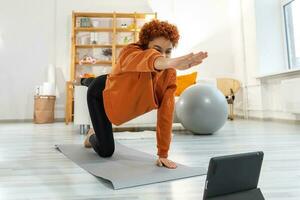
column 127, row 167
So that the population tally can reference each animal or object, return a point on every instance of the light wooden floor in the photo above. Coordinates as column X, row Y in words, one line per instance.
column 30, row 167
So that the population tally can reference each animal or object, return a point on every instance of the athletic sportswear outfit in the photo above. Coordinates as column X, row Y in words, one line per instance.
column 133, row 88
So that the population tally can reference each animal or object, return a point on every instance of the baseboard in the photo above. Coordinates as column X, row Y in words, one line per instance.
column 27, row 120
column 141, row 127
column 131, row 127
column 138, row 127
column 268, row 119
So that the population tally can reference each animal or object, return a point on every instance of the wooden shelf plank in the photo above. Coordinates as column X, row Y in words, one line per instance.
column 110, row 15
column 96, row 29
column 101, row 15
column 128, row 30
column 121, row 45
column 134, row 15
column 92, row 29
column 85, row 46
column 99, row 62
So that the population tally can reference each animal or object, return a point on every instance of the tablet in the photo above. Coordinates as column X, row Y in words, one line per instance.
column 233, row 175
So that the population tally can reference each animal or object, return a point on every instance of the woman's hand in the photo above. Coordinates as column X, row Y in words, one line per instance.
column 164, row 162
column 189, row 61
column 180, row 63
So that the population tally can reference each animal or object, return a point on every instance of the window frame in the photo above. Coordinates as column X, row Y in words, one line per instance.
column 292, row 61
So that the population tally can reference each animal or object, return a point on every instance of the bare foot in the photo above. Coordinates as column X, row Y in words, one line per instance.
column 86, row 142
column 164, row 162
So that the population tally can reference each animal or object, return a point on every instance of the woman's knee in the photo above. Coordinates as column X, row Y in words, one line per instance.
column 95, row 88
column 107, row 152
column 91, row 92
column 87, row 81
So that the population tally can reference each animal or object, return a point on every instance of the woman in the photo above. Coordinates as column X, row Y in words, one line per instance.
column 144, row 79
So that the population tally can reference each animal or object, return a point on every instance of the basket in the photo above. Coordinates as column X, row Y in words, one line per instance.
column 44, row 109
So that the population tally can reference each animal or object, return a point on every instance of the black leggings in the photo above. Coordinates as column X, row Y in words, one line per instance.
column 103, row 140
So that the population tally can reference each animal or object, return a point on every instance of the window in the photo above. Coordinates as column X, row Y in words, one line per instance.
column 292, row 29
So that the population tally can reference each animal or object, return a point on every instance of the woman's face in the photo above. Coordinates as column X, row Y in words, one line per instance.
column 163, row 45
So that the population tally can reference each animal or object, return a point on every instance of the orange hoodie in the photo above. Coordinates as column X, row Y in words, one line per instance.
column 135, row 87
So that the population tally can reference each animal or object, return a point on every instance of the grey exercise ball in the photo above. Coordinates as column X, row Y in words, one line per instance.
column 202, row 109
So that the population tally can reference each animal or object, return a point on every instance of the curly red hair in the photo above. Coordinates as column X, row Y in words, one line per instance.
column 156, row 28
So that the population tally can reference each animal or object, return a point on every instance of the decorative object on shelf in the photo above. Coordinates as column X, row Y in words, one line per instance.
column 87, row 75
column 127, row 40
column 107, row 52
column 85, row 22
column 94, row 37
column 84, row 38
column 131, row 26
column 87, row 60
column 123, row 25
column 95, row 23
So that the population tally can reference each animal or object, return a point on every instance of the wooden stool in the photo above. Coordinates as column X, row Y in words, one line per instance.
column 229, row 87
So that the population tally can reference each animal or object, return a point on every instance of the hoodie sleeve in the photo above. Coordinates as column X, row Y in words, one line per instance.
column 134, row 59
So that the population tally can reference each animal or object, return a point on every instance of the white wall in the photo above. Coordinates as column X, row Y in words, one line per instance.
column 270, row 38
column 264, row 54
column 206, row 26
column 27, row 31
column 34, row 34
